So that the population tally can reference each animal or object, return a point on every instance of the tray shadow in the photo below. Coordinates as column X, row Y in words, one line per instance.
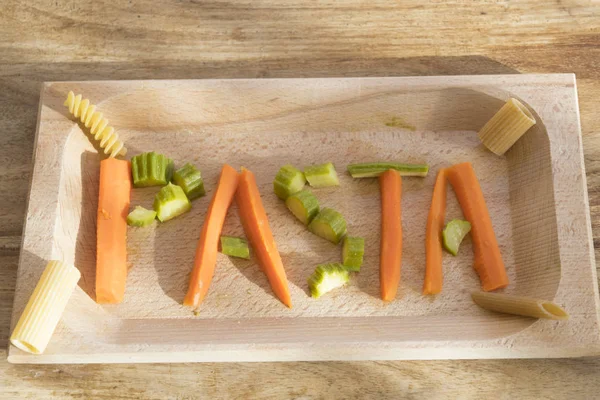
column 85, row 245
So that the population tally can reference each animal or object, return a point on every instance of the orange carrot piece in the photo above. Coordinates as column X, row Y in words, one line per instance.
column 256, row 225
column 208, row 244
column 111, row 230
column 433, row 237
column 391, row 233
column 488, row 261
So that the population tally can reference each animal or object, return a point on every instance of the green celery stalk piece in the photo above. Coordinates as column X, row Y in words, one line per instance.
column 353, row 251
column 329, row 224
column 235, row 247
column 372, row 170
column 326, row 278
column 304, row 205
column 151, row 169
column 141, row 217
column 171, row 202
column 190, row 180
column 289, row 180
column 454, row 233
column 322, row 175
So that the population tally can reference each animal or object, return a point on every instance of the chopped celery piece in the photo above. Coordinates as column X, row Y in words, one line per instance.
column 235, row 247
column 322, row 175
column 151, row 169
column 289, row 180
column 170, row 202
column 352, row 253
column 141, row 216
column 454, row 233
column 371, row 170
column 326, row 278
column 190, row 180
column 329, row 224
column 304, row 205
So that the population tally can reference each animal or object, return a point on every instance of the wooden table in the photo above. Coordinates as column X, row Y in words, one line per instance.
column 86, row 40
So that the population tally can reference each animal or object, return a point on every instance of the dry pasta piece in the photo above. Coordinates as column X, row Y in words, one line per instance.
column 45, row 307
column 97, row 124
column 517, row 305
column 506, row 127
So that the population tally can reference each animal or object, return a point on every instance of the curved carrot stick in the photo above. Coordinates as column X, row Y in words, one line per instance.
column 256, row 225
column 488, row 260
column 208, row 244
column 111, row 230
column 391, row 233
column 433, row 237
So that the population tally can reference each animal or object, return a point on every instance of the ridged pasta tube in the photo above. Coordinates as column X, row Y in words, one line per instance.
column 517, row 305
column 506, row 127
column 45, row 307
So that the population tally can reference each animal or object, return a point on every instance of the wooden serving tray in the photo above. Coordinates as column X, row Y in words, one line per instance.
column 536, row 194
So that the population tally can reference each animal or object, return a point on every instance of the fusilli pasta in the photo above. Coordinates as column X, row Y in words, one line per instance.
column 97, row 124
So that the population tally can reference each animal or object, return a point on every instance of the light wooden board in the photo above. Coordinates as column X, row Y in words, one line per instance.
column 536, row 196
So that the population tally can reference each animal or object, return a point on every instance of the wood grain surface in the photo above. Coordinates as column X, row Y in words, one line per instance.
column 535, row 197
column 85, row 40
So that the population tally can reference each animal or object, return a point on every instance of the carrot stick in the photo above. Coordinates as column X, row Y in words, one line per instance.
column 111, row 230
column 433, row 237
column 208, row 244
column 391, row 233
column 488, row 261
column 256, row 225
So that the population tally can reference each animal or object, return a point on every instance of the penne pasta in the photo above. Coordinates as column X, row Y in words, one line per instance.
column 506, row 127
column 45, row 307
column 97, row 124
column 517, row 305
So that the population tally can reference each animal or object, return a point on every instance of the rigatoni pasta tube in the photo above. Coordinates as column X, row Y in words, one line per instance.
column 45, row 307
column 506, row 127
column 517, row 305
